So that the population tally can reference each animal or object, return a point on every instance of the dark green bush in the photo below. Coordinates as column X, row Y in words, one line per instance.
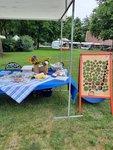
column 8, row 45
column 25, row 44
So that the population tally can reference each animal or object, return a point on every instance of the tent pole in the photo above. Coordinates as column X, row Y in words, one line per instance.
column 69, row 97
column 72, row 33
column 61, row 42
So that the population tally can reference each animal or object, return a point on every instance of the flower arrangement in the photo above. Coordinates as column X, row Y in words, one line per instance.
column 36, row 61
column 39, row 65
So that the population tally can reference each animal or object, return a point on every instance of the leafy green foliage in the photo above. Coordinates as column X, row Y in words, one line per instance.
column 85, row 27
column 9, row 27
column 67, row 28
column 8, row 45
column 78, row 30
column 25, row 44
column 101, row 1
column 43, row 31
column 102, row 21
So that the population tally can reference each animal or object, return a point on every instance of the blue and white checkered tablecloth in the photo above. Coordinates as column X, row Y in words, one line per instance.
column 19, row 91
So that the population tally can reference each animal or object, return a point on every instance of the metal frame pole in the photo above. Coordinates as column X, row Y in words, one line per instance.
column 69, row 97
column 61, row 42
column 72, row 33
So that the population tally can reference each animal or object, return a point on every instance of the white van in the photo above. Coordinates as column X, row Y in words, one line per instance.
column 56, row 44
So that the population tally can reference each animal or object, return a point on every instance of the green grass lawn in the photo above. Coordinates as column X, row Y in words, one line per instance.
column 31, row 124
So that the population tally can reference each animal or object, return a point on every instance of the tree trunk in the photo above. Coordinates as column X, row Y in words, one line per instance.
column 1, row 49
column 38, row 41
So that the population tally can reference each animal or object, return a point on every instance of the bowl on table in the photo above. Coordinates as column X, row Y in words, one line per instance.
column 56, row 66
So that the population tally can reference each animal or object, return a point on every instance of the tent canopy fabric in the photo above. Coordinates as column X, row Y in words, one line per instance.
column 33, row 9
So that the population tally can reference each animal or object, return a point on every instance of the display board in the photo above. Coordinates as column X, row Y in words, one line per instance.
column 95, row 79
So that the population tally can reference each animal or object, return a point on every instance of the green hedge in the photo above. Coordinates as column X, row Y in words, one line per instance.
column 24, row 44
column 8, row 45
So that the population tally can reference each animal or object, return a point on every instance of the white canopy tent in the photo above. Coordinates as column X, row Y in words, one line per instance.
column 41, row 10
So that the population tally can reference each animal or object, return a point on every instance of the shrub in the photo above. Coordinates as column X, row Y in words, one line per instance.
column 8, row 45
column 25, row 43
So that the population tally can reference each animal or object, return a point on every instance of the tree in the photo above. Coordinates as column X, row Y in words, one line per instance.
column 85, row 27
column 78, row 33
column 54, row 30
column 102, row 21
column 79, row 28
column 67, row 28
column 40, row 31
column 101, row 1
column 43, row 31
